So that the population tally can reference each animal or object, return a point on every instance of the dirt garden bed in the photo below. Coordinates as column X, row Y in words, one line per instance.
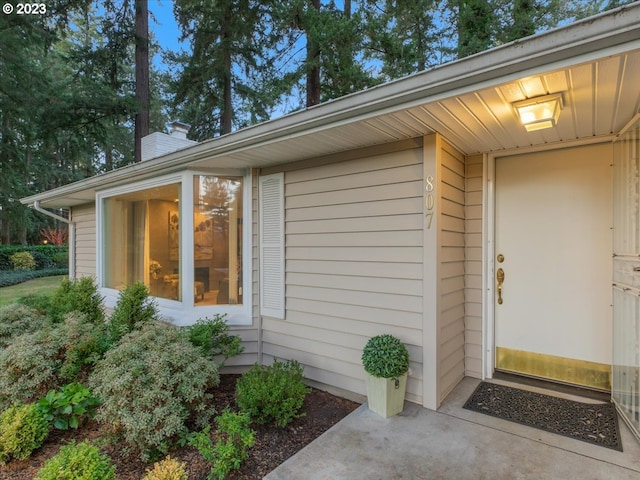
column 273, row 445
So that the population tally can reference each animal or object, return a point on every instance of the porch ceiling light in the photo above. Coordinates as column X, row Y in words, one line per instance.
column 539, row 112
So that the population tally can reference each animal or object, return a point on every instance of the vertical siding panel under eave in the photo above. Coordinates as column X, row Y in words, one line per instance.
column 473, row 267
column 452, row 278
column 347, row 276
column 84, row 217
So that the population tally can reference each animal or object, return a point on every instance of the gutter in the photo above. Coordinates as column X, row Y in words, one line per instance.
column 72, row 235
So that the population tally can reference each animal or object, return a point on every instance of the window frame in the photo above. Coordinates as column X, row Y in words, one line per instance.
column 186, row 311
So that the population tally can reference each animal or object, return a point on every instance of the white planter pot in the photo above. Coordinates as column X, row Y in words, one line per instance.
column 385, row 396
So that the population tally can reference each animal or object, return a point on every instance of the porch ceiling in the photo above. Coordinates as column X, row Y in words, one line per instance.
column 600, row 97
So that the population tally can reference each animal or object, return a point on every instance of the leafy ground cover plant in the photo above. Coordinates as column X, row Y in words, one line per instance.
column 81, row 461
column 211, row 335
column 16, row 319
column 22, row 429
column 231, row 449
column 67, row 407
column 154, row 385
column 272, row 393
column 167, row 469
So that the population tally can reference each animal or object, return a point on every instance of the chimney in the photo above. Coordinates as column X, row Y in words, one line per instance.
column 179, row 130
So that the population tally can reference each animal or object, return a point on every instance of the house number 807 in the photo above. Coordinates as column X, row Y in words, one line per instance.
column 429, row 202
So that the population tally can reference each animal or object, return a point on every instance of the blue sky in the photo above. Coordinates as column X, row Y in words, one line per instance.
column 164, row 27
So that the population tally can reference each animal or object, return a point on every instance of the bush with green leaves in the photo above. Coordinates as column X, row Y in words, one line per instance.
column 167, row 469
column 272, row 393
column 14, row 277
column 17, row 319
column 23, row 261
column 154, row 384
column 133, row 310
column 37, row 362
column 68, row 407
column 385, row 356
column 211, row 335
column 81, row 461
column 235, row 438
column 79, row 295
column 23, row 428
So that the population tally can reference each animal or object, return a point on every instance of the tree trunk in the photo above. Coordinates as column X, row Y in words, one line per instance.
column 227, row 110
column 313, row 65
column 142, row 76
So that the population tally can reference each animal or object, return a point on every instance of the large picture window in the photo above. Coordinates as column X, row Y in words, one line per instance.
column 182, row 236
column 141, row 236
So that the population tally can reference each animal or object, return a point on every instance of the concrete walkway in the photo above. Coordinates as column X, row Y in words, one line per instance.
column 453, row 443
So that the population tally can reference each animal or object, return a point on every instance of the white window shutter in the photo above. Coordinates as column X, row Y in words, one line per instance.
column 271, row 199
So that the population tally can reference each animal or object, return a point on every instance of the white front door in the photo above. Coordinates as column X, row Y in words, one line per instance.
column 553, row 246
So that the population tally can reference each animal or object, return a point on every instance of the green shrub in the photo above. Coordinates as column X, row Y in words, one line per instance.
column 167, row 469
column 232, row 447
column 22, row 430
column 77, row 462
column 37, row 362
column 80, row 295
column 60, row 259
column 153, row 384
column 14, row 277
column 67, row 407
column 23, row 261
column 39, row 252
column 385, row 356
column 133, row 310
column 211, row 335
column 16, row 319
column 272, row 393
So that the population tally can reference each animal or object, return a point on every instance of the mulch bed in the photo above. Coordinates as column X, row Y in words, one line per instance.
column 273, row 445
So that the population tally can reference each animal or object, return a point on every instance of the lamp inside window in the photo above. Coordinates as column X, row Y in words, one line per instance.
column 539, row 112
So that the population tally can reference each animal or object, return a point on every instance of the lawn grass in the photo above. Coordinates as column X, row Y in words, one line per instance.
column 43, row 285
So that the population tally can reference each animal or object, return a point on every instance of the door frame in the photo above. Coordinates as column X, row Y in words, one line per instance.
column 489, row 235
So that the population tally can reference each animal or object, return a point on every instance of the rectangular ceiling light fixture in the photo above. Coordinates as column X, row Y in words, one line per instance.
column 539, row 112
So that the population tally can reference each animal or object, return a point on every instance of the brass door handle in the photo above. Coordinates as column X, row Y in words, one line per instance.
column 500, row 278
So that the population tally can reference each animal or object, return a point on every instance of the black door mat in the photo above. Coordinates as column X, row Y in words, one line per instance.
column 595, row 423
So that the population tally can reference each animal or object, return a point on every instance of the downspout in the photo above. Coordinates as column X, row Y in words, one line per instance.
column 72, row 235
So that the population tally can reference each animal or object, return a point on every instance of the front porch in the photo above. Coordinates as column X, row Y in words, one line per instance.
column 454, row 443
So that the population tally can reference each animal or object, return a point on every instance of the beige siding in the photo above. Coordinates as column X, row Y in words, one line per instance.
column 84, row 217
column 451, row 332
column 353, row 265
column 473, row 267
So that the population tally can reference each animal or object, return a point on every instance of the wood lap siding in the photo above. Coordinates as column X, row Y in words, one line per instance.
column 452, row 270
column 84, row 217
column 353, row 266
column 473, row 267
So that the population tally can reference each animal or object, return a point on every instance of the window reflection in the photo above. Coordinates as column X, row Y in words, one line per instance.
column 217, row 240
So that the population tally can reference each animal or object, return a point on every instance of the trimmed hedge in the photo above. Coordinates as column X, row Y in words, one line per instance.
column 46, row 256
column 14, row 277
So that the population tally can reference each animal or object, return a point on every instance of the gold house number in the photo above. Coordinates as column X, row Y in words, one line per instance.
column 429, row 202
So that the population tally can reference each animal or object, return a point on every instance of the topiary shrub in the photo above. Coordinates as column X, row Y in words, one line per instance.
column 211, row 335
column 133, row 310
column 77, row 462
column 22, row 430
column 23, row 261
column 37, row 362
column 167, row 469
column 17, row 319
column 272, row 393
column 153, row 384
column 385, row 356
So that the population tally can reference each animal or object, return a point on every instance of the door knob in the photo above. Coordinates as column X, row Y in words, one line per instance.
column 500, row 278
